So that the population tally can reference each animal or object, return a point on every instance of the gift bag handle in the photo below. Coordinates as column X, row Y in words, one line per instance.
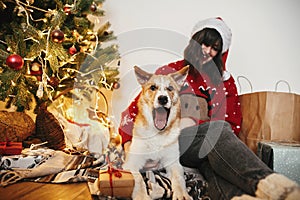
column 282, row 81
column 249, row 82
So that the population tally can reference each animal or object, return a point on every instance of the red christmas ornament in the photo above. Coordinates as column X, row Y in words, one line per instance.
column 72, row 50
column 57, row 36
column 15, row 61
column 93, row 7
column 67, row 10
column 116, row 85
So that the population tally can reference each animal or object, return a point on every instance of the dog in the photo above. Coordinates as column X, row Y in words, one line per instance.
column 156, row 131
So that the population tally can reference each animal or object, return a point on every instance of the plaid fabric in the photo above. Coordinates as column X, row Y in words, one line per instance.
column 49, row 166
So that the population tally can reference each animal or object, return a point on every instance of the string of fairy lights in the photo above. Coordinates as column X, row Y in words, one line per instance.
column 55, row 35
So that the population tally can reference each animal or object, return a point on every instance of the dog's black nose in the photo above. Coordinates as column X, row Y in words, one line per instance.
column 162, row 100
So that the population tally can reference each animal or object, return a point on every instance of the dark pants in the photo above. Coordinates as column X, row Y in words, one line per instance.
column 228, row 165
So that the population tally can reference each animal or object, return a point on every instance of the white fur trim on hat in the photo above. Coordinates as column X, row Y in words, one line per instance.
column 226, row 75
column 220, row 26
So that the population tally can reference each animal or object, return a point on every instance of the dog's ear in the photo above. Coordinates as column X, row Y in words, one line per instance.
column 180, row 75
column 141, row 75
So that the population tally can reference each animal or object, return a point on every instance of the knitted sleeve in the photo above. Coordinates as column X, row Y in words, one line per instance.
column 230, row 109
column 127, row 119
column 233, row 111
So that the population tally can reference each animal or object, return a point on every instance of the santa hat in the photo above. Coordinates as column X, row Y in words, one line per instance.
column 220, row 26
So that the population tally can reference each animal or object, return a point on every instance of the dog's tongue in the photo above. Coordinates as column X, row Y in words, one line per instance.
column 160, row 118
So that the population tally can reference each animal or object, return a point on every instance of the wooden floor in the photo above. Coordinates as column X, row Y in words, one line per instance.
column 42, row 191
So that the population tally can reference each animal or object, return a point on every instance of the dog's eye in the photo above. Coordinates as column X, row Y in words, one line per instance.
column 153, row 87
column 170, row 88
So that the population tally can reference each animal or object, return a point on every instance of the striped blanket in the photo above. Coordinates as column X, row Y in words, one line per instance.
column 49, row 166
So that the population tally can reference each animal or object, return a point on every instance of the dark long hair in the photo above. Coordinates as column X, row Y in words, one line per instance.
column 193, row 53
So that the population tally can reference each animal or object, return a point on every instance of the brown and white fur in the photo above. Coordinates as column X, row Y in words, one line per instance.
column 156, row 130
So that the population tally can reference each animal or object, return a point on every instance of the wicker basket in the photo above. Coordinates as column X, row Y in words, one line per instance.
column 48, row 129
column 15, row 126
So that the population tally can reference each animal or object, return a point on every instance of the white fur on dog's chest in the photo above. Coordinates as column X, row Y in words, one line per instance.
column 153, row 145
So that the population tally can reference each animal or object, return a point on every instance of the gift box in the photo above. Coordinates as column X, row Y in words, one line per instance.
column 10, row 148
column 282, row 157
column 116, row 183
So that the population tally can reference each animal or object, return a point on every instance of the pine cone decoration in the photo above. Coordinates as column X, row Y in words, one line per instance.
column 48, row 129
column 15, row 126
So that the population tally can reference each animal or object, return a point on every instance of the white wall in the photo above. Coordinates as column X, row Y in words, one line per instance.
column 265, row 46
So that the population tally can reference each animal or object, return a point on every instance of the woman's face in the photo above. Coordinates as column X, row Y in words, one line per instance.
column 209, row 52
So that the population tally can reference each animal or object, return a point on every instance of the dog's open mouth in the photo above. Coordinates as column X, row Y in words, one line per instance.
column 160, row 117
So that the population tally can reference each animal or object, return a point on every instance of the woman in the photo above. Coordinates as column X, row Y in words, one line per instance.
column 208, row 140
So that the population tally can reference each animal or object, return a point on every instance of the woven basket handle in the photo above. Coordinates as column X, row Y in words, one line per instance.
column 282, row 81
column 248, row 81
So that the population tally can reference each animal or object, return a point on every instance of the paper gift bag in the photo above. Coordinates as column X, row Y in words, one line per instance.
column 270, row 116
column 115, row 183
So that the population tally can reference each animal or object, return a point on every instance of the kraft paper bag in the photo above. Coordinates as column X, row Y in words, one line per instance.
column 270, row 116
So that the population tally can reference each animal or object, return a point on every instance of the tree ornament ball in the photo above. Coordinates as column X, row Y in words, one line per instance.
column 15, row 61
column 67, row 9
column 93, row 7
column 57, row 36
column 72, row 50
column 116, row 85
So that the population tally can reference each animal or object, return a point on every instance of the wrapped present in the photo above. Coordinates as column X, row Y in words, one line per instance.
column 282, row 157
column 115, row 182
column 10, row 148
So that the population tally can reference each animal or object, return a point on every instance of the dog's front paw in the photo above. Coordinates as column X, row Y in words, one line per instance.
column 181, row 195
column 139, row 190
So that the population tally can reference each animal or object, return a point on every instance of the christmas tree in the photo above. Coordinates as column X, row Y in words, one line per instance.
column 50, row 47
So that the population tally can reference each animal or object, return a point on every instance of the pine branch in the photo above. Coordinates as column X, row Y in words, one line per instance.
column 57, row 19
column 56, row 54
column 25, row 30
column 3, row 55
column 23, row 97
